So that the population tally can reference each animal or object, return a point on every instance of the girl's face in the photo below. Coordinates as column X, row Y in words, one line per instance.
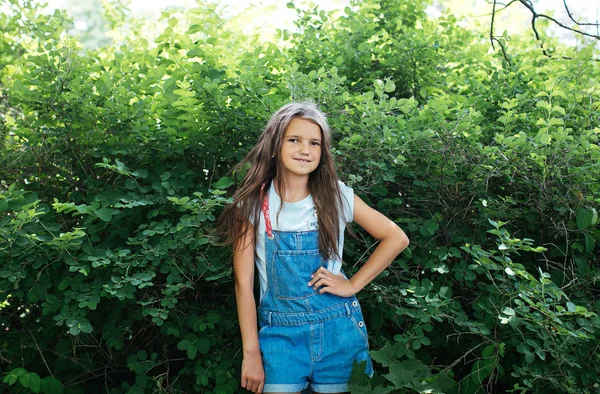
column 301, row 148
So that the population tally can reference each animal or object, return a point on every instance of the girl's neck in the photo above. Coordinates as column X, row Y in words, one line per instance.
column 296, row 189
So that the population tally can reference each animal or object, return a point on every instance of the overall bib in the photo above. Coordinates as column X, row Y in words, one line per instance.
column 306, row 338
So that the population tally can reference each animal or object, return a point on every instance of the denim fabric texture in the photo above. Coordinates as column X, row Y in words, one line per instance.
column 306, row 338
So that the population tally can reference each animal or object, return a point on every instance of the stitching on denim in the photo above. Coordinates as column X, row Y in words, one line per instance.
column 300, row 318
column 298, row 252
column 331, row 387
column 342, row 306
column 362, row 334
column 311, row 327
column 322, row 339
column 308, row 306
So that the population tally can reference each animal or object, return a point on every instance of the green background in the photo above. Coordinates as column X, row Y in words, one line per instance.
column 115, row 163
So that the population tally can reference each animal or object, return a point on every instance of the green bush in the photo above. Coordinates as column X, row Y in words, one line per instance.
column 115, row 164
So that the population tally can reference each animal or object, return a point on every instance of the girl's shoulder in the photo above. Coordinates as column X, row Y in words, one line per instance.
column 347, row 201
column 344, row 188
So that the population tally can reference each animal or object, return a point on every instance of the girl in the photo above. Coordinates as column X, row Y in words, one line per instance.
column 288, row 218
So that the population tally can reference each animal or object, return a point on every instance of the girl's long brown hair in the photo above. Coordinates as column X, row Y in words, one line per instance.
column 265, row 165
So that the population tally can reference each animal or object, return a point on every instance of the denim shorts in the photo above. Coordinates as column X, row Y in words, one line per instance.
column 316, row 349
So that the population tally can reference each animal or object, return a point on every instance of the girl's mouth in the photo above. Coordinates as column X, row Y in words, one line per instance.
column 303, row 160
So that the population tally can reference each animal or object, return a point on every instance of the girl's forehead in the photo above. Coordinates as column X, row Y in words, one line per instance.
column 303, row 128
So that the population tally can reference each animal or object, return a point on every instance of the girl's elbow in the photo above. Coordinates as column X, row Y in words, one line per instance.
column 244, row 285
column 403, row 240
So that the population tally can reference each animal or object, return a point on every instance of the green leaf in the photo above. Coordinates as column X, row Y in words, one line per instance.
column 529, row 357
column 360, row 382
column 191, row 352
column 355, row 138
column 590, row 243
column 140, row 173
column 199, row 325
column 86, row 328
column 389, row 86
column 71, row 322
column 203, row 345
column 51, row 386
column 585, row 217
column 385, row 356
column 195, row 52
column 195, row 29
column 488, row 351
column 10, row 379
column 402, row 374
column 183, row 344
column 508, row 311
column 105, row 214
column 64, row 283
column 24, row 380
column 213, row 317
column 34, row 382
column 75, row 330
column 224, row 183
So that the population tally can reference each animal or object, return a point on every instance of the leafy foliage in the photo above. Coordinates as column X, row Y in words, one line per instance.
column 115, row 164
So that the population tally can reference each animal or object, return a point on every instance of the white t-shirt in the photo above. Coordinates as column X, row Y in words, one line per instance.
column 299, row 216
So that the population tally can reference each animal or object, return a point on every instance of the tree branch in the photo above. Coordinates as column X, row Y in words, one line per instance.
column 492, row 38
column 573, row 19
column 534, row 17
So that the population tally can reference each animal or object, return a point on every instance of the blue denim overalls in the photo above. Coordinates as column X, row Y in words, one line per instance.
column 306, row 337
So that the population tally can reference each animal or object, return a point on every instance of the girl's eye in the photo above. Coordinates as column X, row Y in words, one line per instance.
column 293, row 140
column 315, row 143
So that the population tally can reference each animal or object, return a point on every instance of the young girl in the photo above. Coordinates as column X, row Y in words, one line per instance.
column 288, row 218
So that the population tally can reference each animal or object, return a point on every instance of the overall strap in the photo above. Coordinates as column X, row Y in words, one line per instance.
column 265, row 211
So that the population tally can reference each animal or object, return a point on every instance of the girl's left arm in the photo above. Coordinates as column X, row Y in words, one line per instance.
column 392, row 241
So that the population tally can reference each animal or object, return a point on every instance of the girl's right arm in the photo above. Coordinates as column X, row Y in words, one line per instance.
column 253, row 375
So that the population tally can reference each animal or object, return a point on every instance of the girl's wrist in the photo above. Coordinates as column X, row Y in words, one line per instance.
column 251, row 352
column 355, row 288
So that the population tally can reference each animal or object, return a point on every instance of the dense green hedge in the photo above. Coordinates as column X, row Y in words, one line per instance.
column 115, row 163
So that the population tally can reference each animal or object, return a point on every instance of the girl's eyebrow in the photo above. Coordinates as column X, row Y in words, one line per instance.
column 298, row 137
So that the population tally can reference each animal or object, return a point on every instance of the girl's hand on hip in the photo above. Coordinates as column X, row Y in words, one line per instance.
column 253, row 373
column 331, row 283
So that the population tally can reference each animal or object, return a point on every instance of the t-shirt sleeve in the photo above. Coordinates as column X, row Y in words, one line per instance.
column 252, row 217
column 347, row 202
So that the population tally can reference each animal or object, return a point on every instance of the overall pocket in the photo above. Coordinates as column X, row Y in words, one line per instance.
column 292, row 270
